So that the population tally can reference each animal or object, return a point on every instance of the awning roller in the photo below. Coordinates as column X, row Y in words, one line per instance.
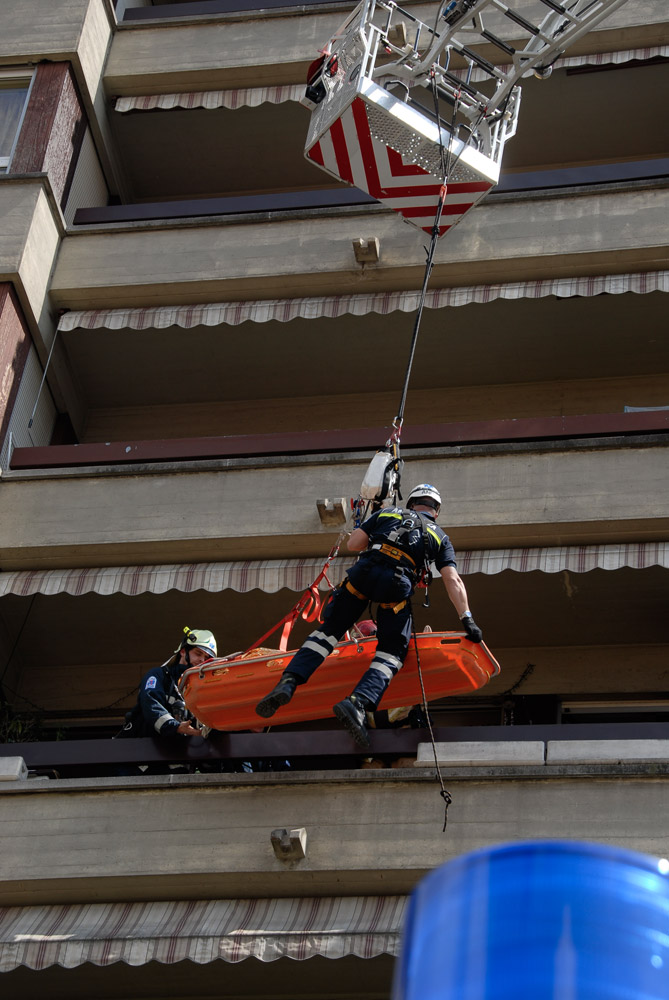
column 331, row 306
column 199, row 931
column 272, row 575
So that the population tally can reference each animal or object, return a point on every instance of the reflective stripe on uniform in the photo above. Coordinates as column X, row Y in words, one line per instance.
column 386, row 664
column 321, row 643
column 161, row 720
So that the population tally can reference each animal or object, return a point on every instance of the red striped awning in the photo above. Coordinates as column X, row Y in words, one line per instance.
column 272, row 575
column 252, row 97
column 248, row 97
column 569, row 62
column 331, row 306
column 199, row 931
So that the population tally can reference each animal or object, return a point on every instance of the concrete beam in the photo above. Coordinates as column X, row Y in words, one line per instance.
column 514, row 239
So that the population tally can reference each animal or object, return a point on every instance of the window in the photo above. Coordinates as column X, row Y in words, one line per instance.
column 14, row 90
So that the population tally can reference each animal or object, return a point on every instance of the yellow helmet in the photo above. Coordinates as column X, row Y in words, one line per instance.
column 199, row 638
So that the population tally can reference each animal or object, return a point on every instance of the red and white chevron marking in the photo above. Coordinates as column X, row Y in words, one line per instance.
column 349, row 150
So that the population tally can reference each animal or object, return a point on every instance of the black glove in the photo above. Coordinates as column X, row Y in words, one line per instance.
column 471, row 628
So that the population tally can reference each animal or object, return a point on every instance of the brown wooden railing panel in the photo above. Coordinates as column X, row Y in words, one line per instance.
column 294, row 201
column 68, row 755
column 200, row 8
column 323, row 442
column 282, row 201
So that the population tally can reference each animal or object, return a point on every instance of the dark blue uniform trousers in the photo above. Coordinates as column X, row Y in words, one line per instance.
column 380, row 580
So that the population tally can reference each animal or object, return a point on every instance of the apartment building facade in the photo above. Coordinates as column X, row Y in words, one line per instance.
column 193, row 360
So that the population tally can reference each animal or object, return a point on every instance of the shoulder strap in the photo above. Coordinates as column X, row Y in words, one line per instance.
column 423, row 532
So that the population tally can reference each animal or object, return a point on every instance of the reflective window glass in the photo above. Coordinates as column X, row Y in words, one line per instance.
column 13, row 94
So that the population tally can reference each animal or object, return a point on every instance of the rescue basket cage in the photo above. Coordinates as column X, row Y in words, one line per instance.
column 401, row 107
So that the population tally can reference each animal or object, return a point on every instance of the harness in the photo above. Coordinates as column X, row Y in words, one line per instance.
column 395, row 605
column 399, row 554
column 393, row 553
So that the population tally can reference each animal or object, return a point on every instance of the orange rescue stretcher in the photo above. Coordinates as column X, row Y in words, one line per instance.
column 223, row 693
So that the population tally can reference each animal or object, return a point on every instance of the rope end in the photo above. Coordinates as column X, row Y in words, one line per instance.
column 448, row 798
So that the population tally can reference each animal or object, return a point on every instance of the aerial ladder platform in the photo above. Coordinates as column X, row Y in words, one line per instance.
column 403, row 109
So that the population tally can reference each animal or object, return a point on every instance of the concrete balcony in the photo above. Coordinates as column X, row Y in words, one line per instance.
column 555, row 128
column 590, row 491
column 261, row 50
column 368, row 832
column 76, row 30
column 31, row 233
column 513, row 238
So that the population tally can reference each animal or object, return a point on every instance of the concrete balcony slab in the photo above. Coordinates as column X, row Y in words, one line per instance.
column 261, row 50
column 573, row 233
column 368, row 831
column 255, row 508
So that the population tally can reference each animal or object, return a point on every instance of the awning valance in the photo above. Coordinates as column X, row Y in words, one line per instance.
column 252, row 97
column 249, row 97
column 272, row 575
column 199, row 931
column 331, row 306
column 597, row 59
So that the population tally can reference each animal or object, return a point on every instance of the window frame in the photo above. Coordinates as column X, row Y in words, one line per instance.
column 19, row 75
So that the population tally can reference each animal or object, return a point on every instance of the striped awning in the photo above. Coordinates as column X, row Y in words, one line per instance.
column 199, row 931
column 248, row 97
column 272, row 575
column 569, row 62
column 331, row 306
column 252, row 97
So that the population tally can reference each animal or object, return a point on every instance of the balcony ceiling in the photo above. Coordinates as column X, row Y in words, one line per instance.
column 567, row 120
column 88, row 652
column 553, row 339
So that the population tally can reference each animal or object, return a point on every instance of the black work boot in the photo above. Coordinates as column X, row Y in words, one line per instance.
column 351, row 711
column 278, row 696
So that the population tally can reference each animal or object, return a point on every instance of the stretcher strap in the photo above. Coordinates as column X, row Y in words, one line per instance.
column 308, row 607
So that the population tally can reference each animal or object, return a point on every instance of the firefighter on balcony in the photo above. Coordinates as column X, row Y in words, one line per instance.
column 160, row 709
column 396, row 545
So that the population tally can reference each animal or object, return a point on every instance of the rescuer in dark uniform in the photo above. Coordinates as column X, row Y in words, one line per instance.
column 160, row 709
column 396, row 545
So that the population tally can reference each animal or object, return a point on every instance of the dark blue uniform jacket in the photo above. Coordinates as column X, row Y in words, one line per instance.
column 401, row 528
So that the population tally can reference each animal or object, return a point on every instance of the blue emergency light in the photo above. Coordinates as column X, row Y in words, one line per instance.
column 539, row 920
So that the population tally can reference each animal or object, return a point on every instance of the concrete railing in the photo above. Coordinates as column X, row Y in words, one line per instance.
column 536, row 752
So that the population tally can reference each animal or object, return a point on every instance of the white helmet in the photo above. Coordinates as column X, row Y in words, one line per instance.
column 423, row 492
column 199, row 638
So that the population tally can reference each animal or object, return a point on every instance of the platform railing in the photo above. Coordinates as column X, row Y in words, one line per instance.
column 306, row 750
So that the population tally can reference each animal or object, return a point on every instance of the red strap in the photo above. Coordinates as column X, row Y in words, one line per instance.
column 308, row 607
